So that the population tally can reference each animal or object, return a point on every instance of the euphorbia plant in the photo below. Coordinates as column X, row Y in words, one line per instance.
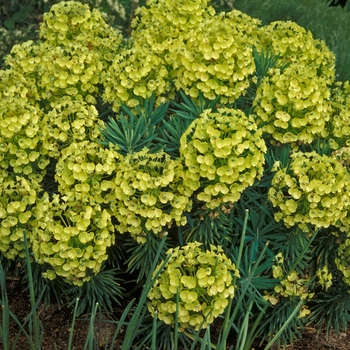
column 107, row 146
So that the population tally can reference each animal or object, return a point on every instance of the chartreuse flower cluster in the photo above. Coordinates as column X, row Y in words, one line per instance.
column 73, row 230
column 150, row 194
column 296, row 46
column 292, row 103
column 339, row 124
column 48, row 97
column 217, row 60
column 17, row 204
column 202, row 281
column 183, row 46
column 291, row 285
column 77, row 46
column 84, row 172
column 22, row 160
column 311, row 192
column 149, row 64
column 21, row 128
column 342, row 260
column 70, row 121
column 223, row 153
column 71, row 236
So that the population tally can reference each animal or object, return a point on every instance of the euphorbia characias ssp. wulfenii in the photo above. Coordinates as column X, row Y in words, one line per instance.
column 224, row 153
column 201, row 279
column 151, row 194
column 311, row 192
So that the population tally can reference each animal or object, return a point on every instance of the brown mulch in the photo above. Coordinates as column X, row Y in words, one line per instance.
column 57, row 324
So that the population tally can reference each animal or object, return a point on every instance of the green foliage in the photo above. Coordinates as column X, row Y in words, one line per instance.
column 103, row 289
column 132, row 133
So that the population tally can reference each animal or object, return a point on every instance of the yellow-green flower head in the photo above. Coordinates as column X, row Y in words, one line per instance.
column 69, row 121
column 150, row 194
column 148, row 65
column 18, row 198
column 339, row 123
column 21, row 132
column 69, row 22
column 180, row 15
column 203, row 282
column 171, row 51
column 223, row 154
column 293, row 44
column 77, row 47
column 342, row 260
column 19, row 114
column 217, row 58
column 71, row 236
column 57, row 72
column 311, row 192
column 291, row 283
column 292, row 104
column 85, row 170
column 17, row 86
column 134, row 75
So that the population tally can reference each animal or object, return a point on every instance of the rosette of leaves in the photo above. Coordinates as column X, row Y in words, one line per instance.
column 194, row 287
column 151, row 194
column 137, row 129
column 223, row 153
column 292, row 102
column 310, row 192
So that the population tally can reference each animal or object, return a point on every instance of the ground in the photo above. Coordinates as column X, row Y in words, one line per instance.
column 57, row 324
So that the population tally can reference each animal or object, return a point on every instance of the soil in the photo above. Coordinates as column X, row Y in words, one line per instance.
column 57, row 320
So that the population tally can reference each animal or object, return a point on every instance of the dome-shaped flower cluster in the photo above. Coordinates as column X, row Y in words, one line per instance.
column 202, row 281
column 149, row 63
column 292, row 102
column 48, row 97
column 224, row 154
column 71, row 236
column 17, row 205
column 343, row 258
column 217, row 60
column 150, row 194
column 296, row 47
column 77, row 46
column 183, row 46
column 339, row 124
column 311, row 192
